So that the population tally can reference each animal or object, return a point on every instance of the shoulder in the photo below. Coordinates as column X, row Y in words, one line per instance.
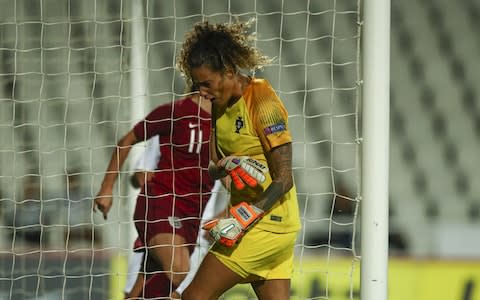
column 184, row 106
column 179, row 107
column 187, row 101
column 261, row 95
column 261, row 87
column 165, row 107
column 183, row 102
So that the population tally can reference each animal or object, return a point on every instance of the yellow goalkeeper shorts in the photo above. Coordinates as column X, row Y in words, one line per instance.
column 260, row 255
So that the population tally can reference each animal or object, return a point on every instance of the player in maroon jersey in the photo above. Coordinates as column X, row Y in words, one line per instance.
column 169, row 207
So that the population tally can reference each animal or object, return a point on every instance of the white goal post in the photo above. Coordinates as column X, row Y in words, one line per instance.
column 76, row 74
column 375, row 150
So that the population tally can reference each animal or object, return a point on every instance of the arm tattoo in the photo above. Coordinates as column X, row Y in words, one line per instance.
column 271, row 195
column 280, row 163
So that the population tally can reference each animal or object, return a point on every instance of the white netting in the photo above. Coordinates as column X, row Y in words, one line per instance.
column 66, row 98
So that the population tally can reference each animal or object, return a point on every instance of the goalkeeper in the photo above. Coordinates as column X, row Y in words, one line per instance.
column 251, row 143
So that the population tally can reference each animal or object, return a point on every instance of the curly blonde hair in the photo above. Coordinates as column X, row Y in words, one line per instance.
column 221, row 47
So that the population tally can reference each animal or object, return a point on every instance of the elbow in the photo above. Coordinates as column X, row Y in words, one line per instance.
column 128, row 140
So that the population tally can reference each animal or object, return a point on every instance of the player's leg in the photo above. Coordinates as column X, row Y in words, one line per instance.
column 135, row 276
column 213, row 278
column 168, row 241
column 137, row 289
column 277, row 258
column 215, row 204
column 275, row 289
column 276, row 283
column 162, row 266
column 201, row 249
column 157, row 286
column 171, row 252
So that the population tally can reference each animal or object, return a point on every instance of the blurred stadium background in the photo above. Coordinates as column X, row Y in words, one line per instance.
column 66, row 76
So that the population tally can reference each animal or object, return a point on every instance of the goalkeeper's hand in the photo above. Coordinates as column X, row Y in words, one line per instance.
column 243, row 169
column 228, row 231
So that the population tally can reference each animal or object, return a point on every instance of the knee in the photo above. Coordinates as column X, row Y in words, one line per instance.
column 176, row 278
column 179, row 271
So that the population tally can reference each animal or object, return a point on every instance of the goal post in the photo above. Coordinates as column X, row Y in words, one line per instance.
column 375, row 149
column 138, row 90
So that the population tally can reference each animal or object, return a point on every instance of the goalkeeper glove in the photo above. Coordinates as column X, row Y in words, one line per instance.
column 243, row 169
column 228, row 231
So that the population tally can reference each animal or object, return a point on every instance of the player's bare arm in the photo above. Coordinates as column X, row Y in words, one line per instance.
column 280, row 164
column 103, row 200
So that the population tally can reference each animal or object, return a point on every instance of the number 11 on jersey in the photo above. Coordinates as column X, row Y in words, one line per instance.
column 191, row 145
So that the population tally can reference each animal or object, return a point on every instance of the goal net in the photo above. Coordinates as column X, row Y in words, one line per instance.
column 70, row 89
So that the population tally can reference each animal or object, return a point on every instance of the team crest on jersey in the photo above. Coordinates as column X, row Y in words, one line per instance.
column 175, row 222
column 275, row 128
column 238, row 124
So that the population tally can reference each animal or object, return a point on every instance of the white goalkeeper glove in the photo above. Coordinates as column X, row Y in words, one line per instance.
column 243, row 169
column 228, row 231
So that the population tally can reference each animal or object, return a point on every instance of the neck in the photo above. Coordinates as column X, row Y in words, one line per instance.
column 243, row 82
column 239, row 88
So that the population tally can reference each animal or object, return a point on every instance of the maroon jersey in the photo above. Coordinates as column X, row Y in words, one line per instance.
column 184, row 132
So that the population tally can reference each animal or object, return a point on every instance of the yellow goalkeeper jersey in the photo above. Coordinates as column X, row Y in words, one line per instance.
column 254, row 125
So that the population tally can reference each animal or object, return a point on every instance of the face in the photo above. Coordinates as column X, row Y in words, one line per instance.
column 214, row 86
